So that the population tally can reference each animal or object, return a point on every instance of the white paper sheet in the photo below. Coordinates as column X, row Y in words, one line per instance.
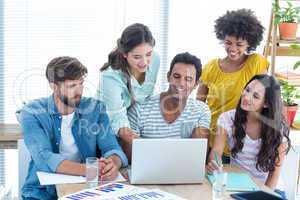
column 46, row 178
column 117, row 191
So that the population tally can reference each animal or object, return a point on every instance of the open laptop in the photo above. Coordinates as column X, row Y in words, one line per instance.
column 168, row 161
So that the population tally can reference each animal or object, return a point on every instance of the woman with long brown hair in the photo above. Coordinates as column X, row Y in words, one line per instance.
column 256, row 132
column 128, row 77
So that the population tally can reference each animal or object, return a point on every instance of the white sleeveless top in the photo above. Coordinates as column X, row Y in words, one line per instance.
column 247, row 157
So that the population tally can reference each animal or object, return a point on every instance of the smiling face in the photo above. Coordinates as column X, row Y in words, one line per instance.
column 182, row 80
column 235, row 48
column 139, row 58
column 253, row 97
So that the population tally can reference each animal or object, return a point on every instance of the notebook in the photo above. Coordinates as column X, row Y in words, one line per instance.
column 237, row 182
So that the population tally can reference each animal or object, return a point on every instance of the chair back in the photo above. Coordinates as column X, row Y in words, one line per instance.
column 24, row 159
column 289, row 172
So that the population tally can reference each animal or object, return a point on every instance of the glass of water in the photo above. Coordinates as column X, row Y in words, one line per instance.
column 219, row 185
column 92, row 171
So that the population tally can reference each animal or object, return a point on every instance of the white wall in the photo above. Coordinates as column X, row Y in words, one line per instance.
column 192, row 26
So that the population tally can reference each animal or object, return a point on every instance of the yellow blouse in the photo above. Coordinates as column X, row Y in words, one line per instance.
column 225, row 89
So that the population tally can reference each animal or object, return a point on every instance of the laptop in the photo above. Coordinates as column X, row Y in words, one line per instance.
column 168, row 161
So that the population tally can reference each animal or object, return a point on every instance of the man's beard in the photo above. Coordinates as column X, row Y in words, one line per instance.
column 68, row 102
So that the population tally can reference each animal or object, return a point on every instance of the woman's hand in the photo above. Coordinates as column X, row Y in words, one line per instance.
column 213, row 166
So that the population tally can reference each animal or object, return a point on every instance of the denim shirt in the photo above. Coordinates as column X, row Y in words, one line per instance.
column 41, row 123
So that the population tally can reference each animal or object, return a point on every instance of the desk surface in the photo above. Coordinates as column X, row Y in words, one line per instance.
column 194, row 191
column 10, row 132
column 9, row 135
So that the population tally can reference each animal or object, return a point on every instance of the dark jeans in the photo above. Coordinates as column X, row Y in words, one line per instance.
column 281, row 193
column 225, row 159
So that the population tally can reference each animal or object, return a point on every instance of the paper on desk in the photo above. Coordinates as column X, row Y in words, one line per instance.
column 117, row 191
column 46, row 178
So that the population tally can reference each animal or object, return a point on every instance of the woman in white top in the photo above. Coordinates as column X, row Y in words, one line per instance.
column 256, row 131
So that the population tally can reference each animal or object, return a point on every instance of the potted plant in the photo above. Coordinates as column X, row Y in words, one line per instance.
column 296, row 65
column 287, row 19
column 289, row 95
column 296, row 47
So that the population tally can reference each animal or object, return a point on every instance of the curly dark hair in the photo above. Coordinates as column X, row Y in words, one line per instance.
column 241, row 23
column 274, row 127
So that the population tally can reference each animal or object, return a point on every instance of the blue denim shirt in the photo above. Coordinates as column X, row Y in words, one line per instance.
column 41, row 123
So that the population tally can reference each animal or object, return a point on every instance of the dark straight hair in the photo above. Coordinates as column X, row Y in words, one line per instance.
column 188, row 58
column 131, row 37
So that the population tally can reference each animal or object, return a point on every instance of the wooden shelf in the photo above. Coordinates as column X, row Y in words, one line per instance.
column 274, row 46
column 285, row 51
column 297, row 41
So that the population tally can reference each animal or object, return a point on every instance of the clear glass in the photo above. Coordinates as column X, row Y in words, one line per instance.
column 92, row 171
column 219, row 185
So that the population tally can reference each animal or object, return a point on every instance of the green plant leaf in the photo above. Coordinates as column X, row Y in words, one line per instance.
column 287, row 14
column 295, row 46
column 289, row 93
column 297, row 64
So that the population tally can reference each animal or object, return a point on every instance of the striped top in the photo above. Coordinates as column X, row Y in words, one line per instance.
column 247, row 157
column 147, row 120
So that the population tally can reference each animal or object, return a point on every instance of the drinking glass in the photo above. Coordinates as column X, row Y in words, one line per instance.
column 92, row 171
column 219, row 185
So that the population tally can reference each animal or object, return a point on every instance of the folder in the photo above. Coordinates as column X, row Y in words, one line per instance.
column 237, row 182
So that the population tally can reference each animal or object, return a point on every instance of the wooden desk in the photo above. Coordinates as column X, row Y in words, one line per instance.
column 191, row 192
column 9, row 135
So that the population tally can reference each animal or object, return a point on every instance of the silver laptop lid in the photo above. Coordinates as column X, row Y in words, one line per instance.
column 168, row 161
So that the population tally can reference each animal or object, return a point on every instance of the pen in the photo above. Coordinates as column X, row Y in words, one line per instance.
column 216, row 158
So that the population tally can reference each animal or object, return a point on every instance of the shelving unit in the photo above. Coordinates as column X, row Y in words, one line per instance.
column 275, row 47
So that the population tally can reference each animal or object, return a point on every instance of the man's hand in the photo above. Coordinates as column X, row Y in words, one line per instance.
column 71, row 168
column 127, row 135
column 109, row 168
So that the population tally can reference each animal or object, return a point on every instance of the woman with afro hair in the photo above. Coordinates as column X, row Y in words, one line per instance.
column 223, row 79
